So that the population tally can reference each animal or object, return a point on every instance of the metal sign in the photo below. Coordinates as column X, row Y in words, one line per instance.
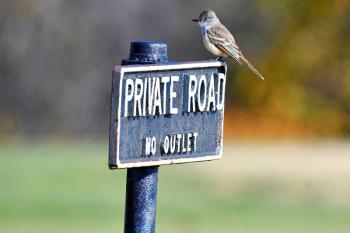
column 166, row 113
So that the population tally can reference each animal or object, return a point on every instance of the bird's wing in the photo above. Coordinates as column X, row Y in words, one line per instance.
column 221, row 37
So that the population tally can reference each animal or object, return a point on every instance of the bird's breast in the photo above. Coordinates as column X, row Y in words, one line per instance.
column 210, row 46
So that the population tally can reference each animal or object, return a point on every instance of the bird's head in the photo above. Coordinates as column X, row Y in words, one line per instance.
column 207, row 18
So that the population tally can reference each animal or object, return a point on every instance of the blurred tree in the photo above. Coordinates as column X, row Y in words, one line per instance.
column 306, row 69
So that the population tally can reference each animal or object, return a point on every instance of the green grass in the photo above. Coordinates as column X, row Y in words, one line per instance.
column 67, row 187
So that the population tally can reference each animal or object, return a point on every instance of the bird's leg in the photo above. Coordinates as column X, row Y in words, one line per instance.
column 220, row 58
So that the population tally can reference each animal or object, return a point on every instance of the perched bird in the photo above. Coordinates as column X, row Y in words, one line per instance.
column 219, row 41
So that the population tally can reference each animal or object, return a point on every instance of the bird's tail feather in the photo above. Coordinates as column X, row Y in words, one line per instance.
column 252, row 68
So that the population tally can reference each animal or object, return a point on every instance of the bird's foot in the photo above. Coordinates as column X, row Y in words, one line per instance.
column 219, row 58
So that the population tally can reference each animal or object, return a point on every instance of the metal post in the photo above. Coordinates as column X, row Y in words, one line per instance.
column 141, row 200
column 141, row 184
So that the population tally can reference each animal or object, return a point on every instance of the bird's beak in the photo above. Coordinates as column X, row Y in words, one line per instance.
column 195, row 20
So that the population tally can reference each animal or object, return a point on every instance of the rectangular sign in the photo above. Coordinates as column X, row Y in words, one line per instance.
column 166, row 113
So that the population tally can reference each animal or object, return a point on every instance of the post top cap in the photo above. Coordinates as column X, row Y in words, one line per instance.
column 147, row 51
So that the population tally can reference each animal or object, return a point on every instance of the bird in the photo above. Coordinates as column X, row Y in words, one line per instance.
column 219, row 41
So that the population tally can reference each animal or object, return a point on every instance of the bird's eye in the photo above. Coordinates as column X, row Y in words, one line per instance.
column 205, row 18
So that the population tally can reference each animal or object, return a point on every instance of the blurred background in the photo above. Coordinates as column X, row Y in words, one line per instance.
column 286, row 153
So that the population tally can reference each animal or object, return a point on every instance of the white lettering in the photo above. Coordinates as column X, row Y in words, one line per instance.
column 151, row 84
column 149, row 146
column 184, row 149
column 211, row 94
column 202, row 93
column 221, row 92
column 166, row 145
column 157, row 99
column 189, row 136
column 195, row 135
column 192, row 90
column 129, row 92
column 179, row 143
column 144, row 103
column 179, row 136
column 150, row 96
column 172, row 143
column 153, row 146
column 173, row 95
column 138, row 96
column 165, row 81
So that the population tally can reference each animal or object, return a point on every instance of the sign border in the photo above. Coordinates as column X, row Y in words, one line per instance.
column 121, row 70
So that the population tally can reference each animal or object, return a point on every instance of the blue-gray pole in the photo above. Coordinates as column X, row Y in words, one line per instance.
column 141, row 184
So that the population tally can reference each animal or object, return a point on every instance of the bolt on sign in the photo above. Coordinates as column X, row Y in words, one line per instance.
column 166, row 113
